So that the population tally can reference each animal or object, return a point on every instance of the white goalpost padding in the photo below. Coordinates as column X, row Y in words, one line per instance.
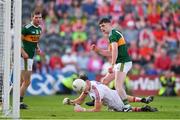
column 7, row 57
column 17, row 54
column 10, row 46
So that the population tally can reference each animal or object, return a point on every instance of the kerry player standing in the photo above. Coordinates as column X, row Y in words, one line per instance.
column 30, row 37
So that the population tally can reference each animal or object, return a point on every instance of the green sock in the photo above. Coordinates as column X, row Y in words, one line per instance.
column 21, row 99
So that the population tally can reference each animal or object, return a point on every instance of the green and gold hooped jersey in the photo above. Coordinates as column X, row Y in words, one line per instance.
column 30, row 38
column 123, row 56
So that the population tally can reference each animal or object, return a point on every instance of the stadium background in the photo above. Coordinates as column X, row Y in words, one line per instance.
column 151, row 28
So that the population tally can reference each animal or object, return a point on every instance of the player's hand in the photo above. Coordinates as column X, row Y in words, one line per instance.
column 110, row 69
column 67, row 101
column 78, row 108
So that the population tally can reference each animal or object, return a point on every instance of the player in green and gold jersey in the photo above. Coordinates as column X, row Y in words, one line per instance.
column 120, row 60
column 30, row 37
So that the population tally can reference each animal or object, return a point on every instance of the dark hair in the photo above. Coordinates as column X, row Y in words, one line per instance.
column 36, row 12
column 104, row 20
column 83, row 76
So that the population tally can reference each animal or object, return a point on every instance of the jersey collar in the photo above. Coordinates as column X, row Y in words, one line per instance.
column 34, row 25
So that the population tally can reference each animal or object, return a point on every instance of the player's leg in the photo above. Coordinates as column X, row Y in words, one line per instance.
column 144, row 109
column 119, row 86
column 22, row 105
column 23, row 72
column 25, row 80
column 24, row 85
column 111, row 76
column 146, row 100
column 121, row 70
column 108, row 78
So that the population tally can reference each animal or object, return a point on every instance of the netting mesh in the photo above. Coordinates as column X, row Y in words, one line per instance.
column 2, row 10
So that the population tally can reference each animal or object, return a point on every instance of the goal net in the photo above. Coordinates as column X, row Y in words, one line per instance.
column 10, row 45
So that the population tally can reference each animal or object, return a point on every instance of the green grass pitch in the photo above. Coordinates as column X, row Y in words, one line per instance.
column 51, row 107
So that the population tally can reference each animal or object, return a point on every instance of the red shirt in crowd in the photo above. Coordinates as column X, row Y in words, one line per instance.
column 154, row 18
column 163, row 63
column 55, row 62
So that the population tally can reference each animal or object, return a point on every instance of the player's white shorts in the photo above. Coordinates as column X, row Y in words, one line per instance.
column 26, row 64
column 114, row 101
column 123, row 67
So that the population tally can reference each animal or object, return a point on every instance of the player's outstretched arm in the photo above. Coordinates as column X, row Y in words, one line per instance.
column 79, row 100
column 97, row 108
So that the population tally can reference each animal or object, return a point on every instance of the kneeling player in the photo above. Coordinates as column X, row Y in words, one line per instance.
column 102, row 95
column 109, row 77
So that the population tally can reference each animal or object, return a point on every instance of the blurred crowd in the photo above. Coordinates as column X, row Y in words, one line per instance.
column 150, row 27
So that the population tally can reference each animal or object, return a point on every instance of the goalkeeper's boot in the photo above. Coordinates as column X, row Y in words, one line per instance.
column 148, row 99
column 149, row 109
column 90, row 103
column 23, row 106
column 127, row 108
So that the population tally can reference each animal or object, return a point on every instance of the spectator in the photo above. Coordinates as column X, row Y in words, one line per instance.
column 69, row 60
column 136, row 69
column 89, row 7
column 79, row 37
column 116, row 10
column 153, row 18
column 128, row 7
column 102, row 43
column 82, row 60
column 171, row 37
column 151, row 70
column 168, row 83
column 140, row 9
column 162, row 62
column 55, row 63
column 166, row 19
column 130, row 32
column 103, row 9
column 76, row 9
column 61, row 7
column 176, row 64
column 145, row 53
column 146, row 37
column 134, row 51
column 95, row 63
column 159, row 34
column 141, row 22
column 105, row 67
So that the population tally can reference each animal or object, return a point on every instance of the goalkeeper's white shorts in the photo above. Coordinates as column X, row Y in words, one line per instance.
column 26, row 64
column 123, row 67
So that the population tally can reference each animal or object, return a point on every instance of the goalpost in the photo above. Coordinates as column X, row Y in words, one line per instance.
column 10, row 45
